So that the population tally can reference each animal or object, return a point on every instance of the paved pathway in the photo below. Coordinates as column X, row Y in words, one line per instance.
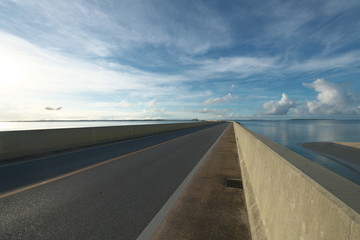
column 104, row 192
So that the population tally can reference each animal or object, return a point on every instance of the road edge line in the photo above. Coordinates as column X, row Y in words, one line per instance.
column 69, row 174
column 150, row 229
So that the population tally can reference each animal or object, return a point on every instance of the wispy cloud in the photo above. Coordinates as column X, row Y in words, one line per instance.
column 226, row 98
column 346, row 60
column 119, row 58
column 117, row 27
column 238, row 65
column 126, row 104
column 152, row 103
column 215, row 112
column 35, row 75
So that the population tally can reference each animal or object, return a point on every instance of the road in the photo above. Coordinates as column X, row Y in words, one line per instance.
column 111, row 191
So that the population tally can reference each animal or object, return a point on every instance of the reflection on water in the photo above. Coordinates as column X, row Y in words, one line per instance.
column 292, row 133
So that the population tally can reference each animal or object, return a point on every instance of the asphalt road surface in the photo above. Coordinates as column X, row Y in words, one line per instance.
column 110, row 191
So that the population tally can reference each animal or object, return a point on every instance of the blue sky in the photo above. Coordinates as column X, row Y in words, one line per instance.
column 137, row 59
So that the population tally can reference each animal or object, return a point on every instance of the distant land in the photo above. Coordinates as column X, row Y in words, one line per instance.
column 292, row 119
column 295, row 119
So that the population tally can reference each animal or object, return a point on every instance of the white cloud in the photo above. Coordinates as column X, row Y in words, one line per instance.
column 126, row 104
column 119, row 26
column 332, row 99
column 345, row 60
column 121, row 104
column 31, row 69
column 242, row 67
column 239, row 65
column 87, row 55
column 154, row 110
column 214, row 114
column 33, row 75
column 209, row 111
column 152, row 103
column 287, row 19
column 226, row 98
column 281, row 107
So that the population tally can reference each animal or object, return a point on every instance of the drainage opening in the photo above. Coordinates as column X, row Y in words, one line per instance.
column 233, row 183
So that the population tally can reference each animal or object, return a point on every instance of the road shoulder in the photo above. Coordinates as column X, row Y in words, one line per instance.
column 207, row 209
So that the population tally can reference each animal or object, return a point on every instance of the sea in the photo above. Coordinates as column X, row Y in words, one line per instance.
column 293, row 133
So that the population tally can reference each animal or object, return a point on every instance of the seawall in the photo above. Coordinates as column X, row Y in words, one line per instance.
column 14, row 144
column 290, row 197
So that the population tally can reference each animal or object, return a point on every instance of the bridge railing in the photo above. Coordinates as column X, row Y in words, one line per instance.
column 291, row 197
column 14, row 144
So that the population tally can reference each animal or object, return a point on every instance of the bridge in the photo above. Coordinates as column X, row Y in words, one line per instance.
column 167, row 182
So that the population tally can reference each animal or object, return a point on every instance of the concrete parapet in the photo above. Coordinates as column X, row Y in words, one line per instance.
column 14, row 144
column 291, row 197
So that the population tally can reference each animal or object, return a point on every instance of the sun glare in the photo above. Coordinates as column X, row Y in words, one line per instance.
column 11, row 69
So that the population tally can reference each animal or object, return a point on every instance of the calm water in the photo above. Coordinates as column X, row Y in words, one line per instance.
column 294, row 132
column 14, row 126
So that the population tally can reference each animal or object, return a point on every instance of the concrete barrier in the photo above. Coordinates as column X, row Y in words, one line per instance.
column 290, row 197
column 14, row 144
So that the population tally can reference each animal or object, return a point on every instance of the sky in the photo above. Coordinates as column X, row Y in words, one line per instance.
column 179, row 59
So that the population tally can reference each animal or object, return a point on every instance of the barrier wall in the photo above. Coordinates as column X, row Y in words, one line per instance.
column 289, row 197
column 24, row 143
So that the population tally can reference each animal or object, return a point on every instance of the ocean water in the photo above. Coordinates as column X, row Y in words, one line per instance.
column 16, row 126
column 292, row 133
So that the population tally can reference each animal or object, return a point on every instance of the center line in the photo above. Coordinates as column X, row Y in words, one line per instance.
column 90, row 167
